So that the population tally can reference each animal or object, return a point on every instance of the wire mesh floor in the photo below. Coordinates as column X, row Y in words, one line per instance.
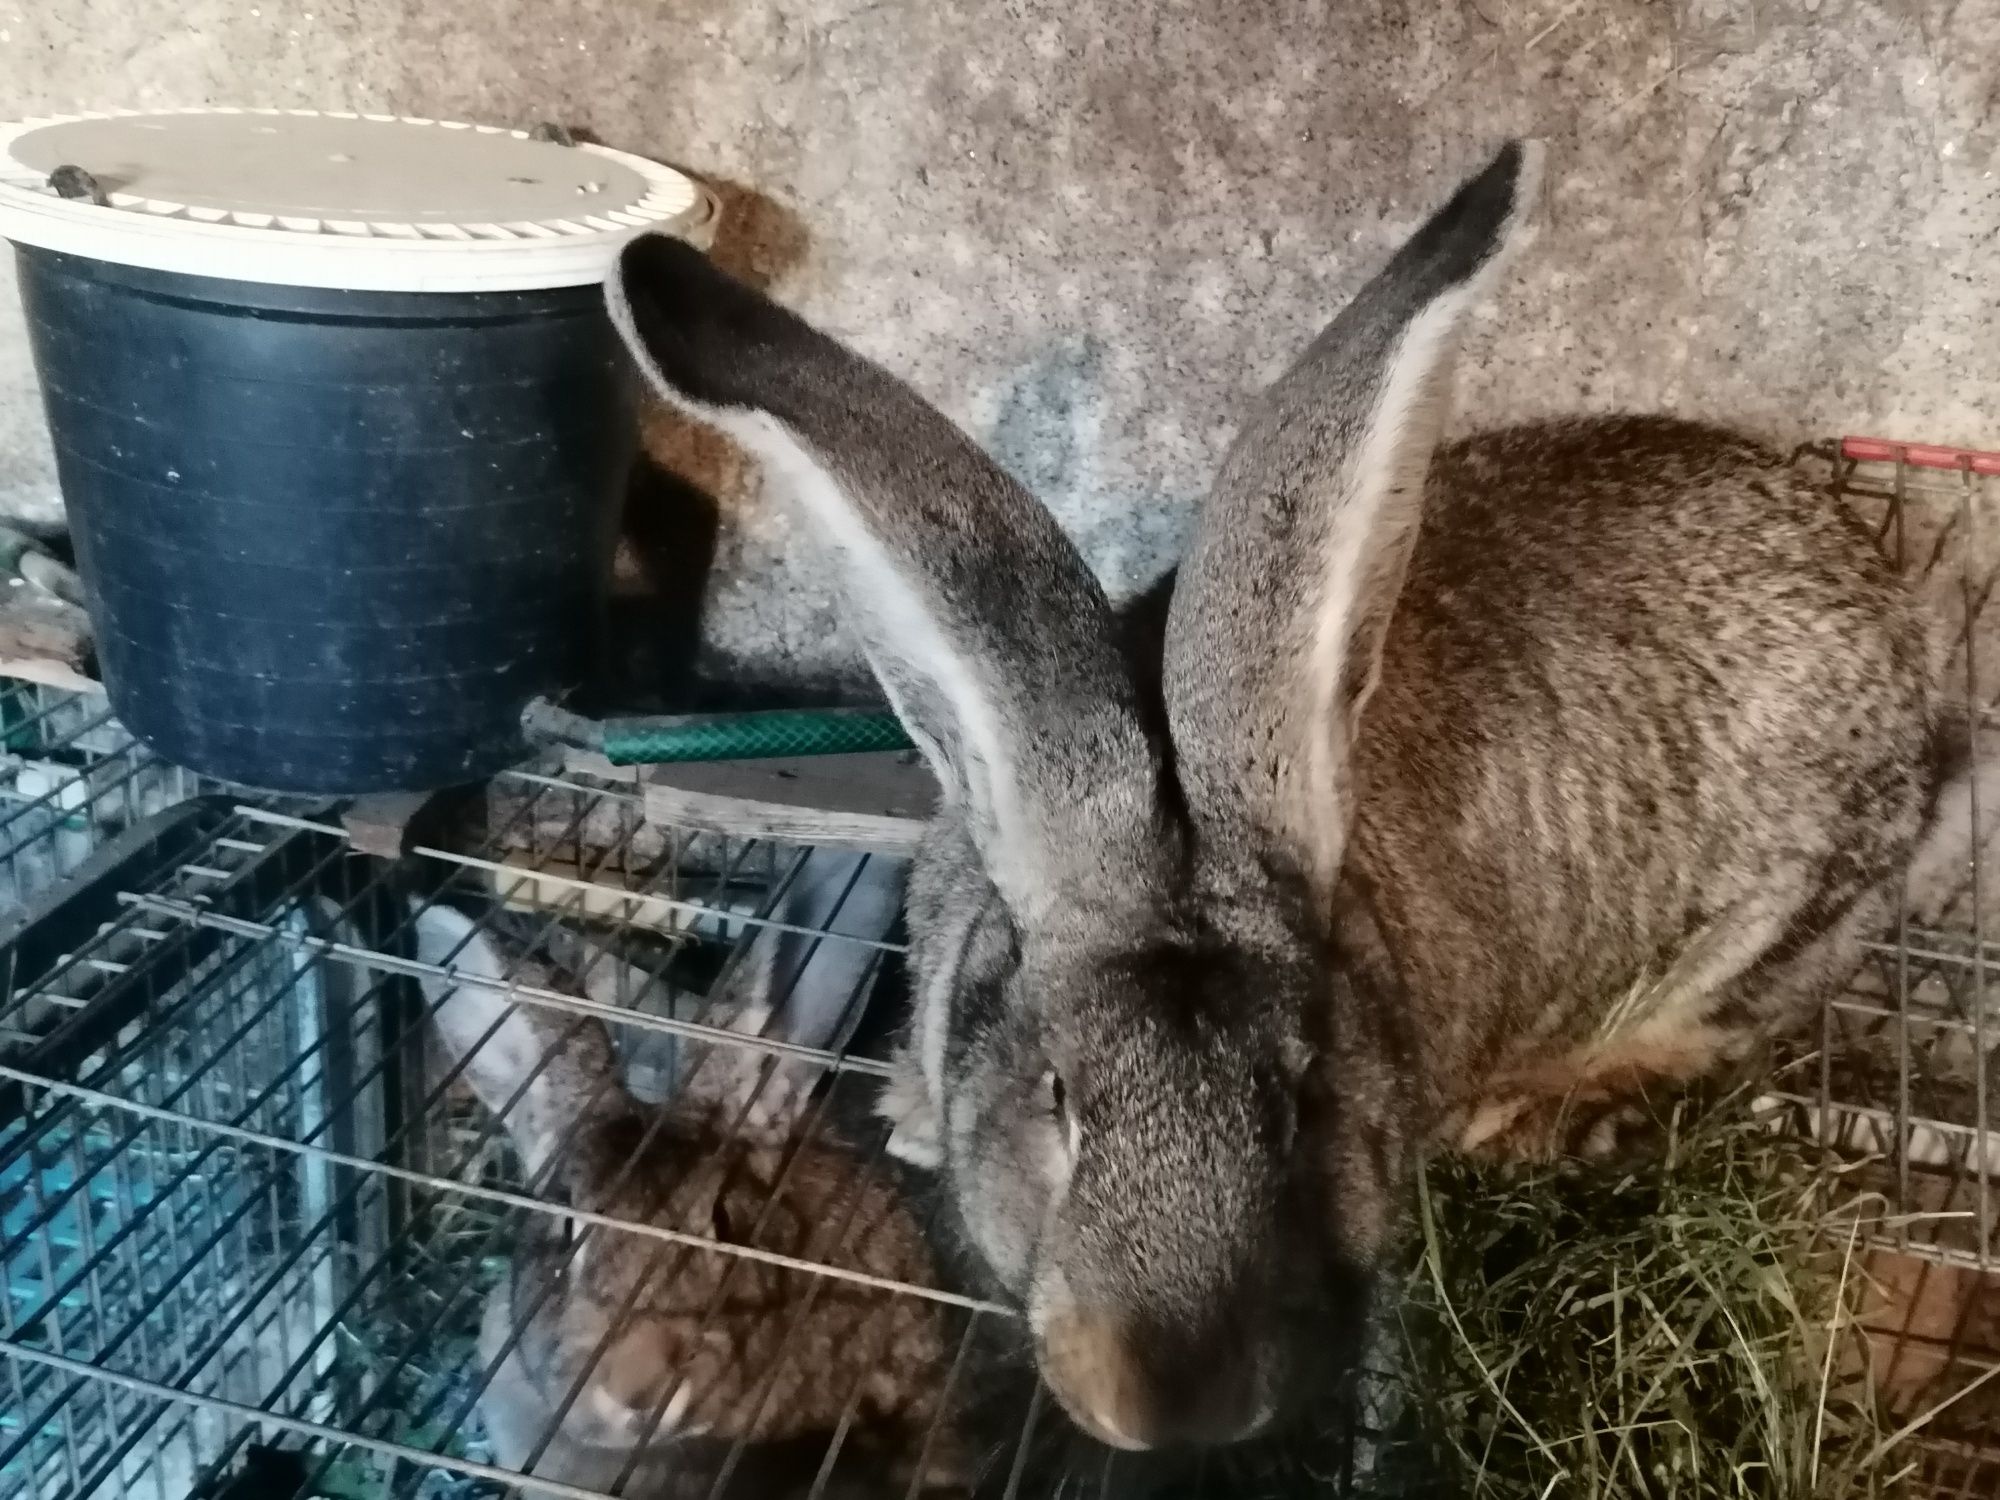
column 302, row 1155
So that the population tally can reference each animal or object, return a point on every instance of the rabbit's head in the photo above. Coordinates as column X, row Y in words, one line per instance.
column 1167, row 1084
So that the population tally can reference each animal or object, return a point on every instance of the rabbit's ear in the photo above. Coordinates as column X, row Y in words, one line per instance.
column 987, row 631
column 819, row 964
column 805, row 979
column 534, row 1069
column 1280, row 612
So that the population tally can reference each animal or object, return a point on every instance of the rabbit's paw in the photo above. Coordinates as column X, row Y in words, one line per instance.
column 1525, row 1127
column 1599, row 1103
column 915, row 1134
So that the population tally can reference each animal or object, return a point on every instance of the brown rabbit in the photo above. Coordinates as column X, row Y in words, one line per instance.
column 614, row 1350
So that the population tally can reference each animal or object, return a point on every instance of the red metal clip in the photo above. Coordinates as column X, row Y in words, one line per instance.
column 1919, row 455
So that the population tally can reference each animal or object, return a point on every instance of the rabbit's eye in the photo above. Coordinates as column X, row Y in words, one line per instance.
column 1059, row 1115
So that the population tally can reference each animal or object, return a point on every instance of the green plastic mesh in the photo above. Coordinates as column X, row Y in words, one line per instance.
column 761, row 736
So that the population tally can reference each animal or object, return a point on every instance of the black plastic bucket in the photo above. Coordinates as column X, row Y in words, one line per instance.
column 334, row 541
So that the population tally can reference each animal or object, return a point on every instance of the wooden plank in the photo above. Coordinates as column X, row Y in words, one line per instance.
column 382, row 824
column 1930, row 1331
column 522, row 883
column 592, row 763
column 878, row 802
column 49, row 673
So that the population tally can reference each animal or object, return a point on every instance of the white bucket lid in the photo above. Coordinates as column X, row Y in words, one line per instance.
column 369, row 202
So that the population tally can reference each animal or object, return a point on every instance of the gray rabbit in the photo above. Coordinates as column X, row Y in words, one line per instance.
column 1472, row 796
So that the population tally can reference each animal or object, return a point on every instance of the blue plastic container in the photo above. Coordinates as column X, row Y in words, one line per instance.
column 335, row 537
column 334, row 541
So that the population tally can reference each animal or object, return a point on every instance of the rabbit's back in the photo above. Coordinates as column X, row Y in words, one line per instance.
column 1652, row 710
column 759, row 1351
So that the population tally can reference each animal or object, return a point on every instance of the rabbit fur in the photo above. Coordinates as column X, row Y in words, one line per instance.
column 674, row 1352
column 794, row 979
column 1470, row 796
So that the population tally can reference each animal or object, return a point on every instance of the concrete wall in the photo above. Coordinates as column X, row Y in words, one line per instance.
column 1087, row 228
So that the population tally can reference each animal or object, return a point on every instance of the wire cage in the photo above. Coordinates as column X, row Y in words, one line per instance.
column 1903, row 1077
column 252, row 1220
column 70, row 780
column 259, row 1202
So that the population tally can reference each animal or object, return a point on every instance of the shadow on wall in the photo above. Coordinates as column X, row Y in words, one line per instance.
column 687, row 478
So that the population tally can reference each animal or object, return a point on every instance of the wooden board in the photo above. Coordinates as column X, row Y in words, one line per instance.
column 879, row 802
column 584, row 894
column 1930, row 1332
column 382, row 824
column 47, row 672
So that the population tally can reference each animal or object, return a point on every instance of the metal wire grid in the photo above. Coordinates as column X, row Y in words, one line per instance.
column 70, row 778
column 130, row 1238
column 361, row 1283
column 1905, row 1077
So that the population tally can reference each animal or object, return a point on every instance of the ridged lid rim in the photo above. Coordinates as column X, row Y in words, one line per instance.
column 358, row 253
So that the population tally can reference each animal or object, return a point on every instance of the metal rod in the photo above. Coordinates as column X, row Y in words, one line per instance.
column 256, row 1416
column 1980, row 1047
column 504, row 1196
column 538, row 995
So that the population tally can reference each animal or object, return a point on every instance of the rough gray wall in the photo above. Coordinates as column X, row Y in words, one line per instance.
column 1087, row 228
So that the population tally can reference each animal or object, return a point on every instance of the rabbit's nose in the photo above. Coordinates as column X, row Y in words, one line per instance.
column 1134, row 1389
